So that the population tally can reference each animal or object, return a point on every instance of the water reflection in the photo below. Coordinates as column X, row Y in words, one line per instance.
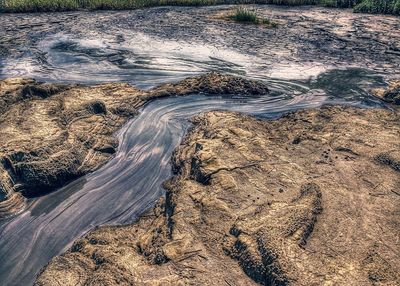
column 142, row 60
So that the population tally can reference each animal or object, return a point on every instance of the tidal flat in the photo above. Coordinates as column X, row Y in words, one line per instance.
column 172, row 145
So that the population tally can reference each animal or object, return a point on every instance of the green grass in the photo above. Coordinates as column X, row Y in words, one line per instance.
column 340, row 3
column 379, row 7
column 15, row 6
column 250, row 16
column 292, row 2
column 369, row 6
column 366, row 6
column 245, row 15
column 67, row 5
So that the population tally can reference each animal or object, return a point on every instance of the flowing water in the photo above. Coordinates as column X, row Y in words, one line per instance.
column 131, row 182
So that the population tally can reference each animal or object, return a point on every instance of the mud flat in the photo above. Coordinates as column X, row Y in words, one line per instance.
column 308, row 199
column 168, row 43
column 51, row 134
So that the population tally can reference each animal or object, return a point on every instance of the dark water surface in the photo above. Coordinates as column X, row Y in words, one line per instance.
column 131, row 182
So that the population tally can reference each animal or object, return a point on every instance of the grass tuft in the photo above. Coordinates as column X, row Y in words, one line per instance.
column 249, row 16
column 246, row 15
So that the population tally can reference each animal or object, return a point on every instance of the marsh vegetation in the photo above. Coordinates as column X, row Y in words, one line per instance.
column 369, row 6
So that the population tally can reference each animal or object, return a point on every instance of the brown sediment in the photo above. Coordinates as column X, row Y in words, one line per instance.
column 51, row 134
column 308, row 199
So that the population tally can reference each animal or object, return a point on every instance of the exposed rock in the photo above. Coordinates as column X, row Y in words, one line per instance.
column 249, row 204
column 212, row 83
column 391, row 94
column 51, row 134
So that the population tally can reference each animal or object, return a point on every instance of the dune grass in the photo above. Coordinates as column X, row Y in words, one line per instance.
column 370, row 6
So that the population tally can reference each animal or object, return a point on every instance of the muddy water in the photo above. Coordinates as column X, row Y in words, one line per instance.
column 131, row 182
